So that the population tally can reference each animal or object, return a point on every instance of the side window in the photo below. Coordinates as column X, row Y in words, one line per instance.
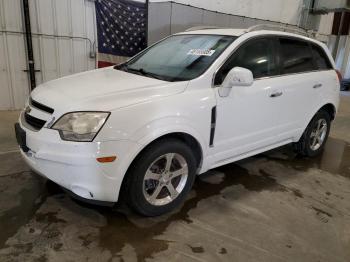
column 256, row 55
column 321, row 59
column 296, row 56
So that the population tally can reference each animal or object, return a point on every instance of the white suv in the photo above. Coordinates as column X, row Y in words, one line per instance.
column 141, row 131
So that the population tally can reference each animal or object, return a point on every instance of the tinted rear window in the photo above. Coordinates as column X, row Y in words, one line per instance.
column 296, row 56
column 321, row 59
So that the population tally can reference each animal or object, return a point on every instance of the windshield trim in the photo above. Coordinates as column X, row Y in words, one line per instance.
column 125, row 64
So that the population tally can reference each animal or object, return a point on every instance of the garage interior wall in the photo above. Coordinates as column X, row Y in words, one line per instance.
column 64, row 33
column 63, row 36
column 168, row 17
column 285, row 11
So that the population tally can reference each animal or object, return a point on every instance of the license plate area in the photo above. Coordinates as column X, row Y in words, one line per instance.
column 21, row 137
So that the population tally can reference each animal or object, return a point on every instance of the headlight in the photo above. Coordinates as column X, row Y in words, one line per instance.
column 80, row 126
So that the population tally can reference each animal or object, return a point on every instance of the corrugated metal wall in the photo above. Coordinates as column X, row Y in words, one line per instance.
column 285, row 11
column 63, row 36
column 167, row 18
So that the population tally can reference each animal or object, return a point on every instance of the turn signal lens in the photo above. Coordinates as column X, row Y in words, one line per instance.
column 107, row 159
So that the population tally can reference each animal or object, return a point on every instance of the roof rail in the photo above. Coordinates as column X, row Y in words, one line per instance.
column 308, row 33
column 204, row 27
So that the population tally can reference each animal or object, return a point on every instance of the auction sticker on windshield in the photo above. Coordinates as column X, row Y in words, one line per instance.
column 201, row 52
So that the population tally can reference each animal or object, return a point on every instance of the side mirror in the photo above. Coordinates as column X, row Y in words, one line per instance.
column 238, row 76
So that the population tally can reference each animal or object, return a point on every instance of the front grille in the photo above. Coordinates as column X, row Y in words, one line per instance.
column 41, row 106
column 33, row 121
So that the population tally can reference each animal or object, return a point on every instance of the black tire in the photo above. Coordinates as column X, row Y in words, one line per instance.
column 304, row 146
column 133, row 188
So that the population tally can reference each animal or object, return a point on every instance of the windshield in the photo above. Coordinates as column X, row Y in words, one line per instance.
column 179, row 57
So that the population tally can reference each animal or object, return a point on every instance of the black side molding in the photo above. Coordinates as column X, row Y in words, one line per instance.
column 212, row 126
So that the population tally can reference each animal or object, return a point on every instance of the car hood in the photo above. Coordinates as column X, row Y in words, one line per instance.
column 102, row 90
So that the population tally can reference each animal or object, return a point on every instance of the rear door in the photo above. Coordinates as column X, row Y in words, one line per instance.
column 326, row 85
column 299, row 84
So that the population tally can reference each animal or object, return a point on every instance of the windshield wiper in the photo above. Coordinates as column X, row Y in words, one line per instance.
column 122, row 67
column 144, row 73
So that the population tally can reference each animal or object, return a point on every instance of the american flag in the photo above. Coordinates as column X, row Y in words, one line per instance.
column 121, row 30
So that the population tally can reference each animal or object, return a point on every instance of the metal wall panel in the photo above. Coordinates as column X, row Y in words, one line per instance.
column 159, row 15
column 64, row 32
column 72, row 21
column 65, row 61
column 17, row 63
column 183, row 17
column 12, row 93
column 63, row 21
column 214, row 18
column 248, row 22
column 236, row 21
column 5, row 78
column 78, row 21
column 180, row 17
column 12, row 15
column 285, row 11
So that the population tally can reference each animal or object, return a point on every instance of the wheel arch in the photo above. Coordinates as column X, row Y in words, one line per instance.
column 185, row 137
column 329, row 108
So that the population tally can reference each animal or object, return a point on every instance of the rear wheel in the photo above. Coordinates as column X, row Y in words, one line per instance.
column 315, row 136
column 160, row 177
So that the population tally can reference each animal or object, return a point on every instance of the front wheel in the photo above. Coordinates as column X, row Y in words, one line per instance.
column 160, row 177
column 315, row 136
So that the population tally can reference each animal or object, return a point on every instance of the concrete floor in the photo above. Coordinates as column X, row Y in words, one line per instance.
column 272, row 207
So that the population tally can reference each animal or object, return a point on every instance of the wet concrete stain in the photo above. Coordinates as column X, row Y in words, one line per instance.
column 31, row 195
column 320, row 211
column 297, row 193
column 49, row 218
column 198, row 249
column 86, row 239
column 322, row 215
column 120, row 231
column 42, row 258
column 223, row 251
column 57, row 246
column 335, row 159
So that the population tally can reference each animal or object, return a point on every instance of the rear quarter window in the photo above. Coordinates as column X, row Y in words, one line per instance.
column 321, row 59
column 296, row 56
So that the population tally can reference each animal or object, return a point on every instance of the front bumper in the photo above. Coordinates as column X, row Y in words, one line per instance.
column 73, row 165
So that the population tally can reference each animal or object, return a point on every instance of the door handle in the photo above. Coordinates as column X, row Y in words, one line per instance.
column 276, row 94
column 317, row 86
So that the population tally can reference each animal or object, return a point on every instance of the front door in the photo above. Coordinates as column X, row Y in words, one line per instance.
column 248, row 118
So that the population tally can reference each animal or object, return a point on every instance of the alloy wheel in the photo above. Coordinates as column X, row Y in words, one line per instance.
column 165, row 179
column 318, row 134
